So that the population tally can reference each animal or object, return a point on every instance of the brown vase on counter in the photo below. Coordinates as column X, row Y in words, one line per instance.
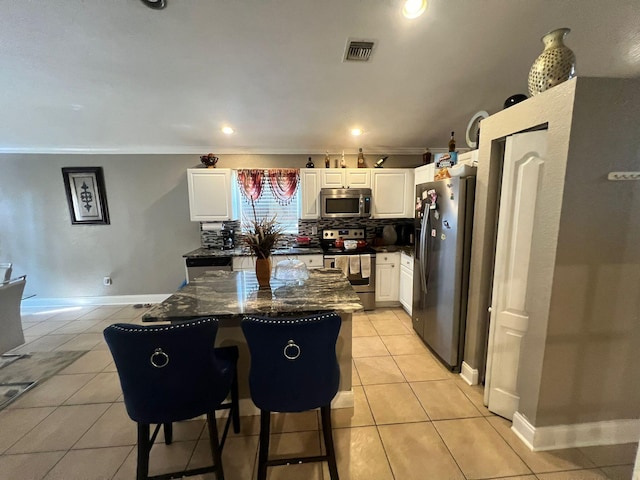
column 263, row 272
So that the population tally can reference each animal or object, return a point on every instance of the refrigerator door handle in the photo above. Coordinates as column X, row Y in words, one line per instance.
column 423, row 251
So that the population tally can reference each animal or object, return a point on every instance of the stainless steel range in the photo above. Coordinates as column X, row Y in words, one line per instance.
column 359, row 264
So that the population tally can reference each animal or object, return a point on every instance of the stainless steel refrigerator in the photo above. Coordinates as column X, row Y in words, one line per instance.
column 443, row 224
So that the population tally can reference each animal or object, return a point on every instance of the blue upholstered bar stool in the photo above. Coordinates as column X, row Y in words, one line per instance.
column 171, row 373
column 293, row 368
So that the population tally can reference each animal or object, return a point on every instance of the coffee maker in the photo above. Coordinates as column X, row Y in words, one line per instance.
column 227, row 238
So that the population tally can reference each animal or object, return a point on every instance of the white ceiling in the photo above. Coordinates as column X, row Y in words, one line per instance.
column 116, row 76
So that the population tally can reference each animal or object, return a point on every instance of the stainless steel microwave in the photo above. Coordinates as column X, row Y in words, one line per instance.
column 345, row 202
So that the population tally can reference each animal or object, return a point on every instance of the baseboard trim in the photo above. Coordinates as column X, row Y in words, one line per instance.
column 94, row 301
column 468, row 374
column 556, row 437
column 343, row 399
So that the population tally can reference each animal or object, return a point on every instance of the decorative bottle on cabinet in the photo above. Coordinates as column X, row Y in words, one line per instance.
column 452, row 143
column 426, row 157
column 343, row 162
column 327, row 161
column 556, row 64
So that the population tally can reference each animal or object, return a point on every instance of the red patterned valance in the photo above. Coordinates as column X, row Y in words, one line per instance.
column 284, row 183
column 251, row 182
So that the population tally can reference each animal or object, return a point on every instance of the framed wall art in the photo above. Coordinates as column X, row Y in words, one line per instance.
column 86, row 195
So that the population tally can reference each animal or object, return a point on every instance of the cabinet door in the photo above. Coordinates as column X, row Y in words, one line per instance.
column 310, row 194
column 425, row 173
column 406, row 288
column 332, row 178
column 358, row 178
column 210, row 194
column 387, row 277
column 392, row 194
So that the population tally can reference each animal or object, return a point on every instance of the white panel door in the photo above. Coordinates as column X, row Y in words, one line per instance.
column 525, row 155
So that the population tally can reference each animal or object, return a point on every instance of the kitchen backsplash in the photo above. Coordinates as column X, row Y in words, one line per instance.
column 213, row 239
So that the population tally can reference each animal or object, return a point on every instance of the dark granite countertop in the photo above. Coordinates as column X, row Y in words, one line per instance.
column 203, row 252
column 408, row 249
column 233, row 294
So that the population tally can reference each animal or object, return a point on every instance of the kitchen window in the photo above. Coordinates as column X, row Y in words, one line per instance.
column 273, row 192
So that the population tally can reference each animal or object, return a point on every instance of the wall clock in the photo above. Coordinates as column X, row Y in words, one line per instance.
column 473, row 127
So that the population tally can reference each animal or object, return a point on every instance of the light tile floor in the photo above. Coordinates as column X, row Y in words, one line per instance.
column 412, row 418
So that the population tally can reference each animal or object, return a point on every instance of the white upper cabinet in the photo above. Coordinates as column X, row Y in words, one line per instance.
column 392, row 192
column 212, row 195
column 310, row 193
column 425, row 173
column 346, row 178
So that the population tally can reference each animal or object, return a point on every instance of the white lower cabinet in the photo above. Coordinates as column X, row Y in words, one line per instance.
column 249, row 262
column 387, row 277
column 406, row 282
column 311, row 261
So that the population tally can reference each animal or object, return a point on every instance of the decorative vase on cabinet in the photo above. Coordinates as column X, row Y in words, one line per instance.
column 556, row 64
column 263, row 272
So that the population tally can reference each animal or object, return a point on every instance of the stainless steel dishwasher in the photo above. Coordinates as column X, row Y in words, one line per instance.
column 198, row 265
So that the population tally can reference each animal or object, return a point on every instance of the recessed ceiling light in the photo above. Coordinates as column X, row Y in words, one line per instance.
column 356, row 132
column 414, row 8
column 227, row 130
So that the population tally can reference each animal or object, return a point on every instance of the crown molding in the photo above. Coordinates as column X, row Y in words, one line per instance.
column 186, row 150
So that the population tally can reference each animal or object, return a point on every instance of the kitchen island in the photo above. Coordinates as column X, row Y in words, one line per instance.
column 229, row 296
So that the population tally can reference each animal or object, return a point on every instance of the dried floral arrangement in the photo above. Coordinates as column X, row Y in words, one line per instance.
column 262, row 234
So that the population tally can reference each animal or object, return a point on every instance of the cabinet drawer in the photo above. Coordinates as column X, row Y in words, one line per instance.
column 387, row 258
column 406, row 261
column 311, row 261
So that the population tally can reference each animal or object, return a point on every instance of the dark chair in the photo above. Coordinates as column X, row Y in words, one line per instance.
column 171, row 373
column 293, row 368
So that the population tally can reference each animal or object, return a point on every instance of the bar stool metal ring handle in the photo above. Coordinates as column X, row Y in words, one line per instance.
column 291, row 354
column 159, row 359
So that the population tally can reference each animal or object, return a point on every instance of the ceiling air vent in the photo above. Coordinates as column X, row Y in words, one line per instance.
column 358, row 50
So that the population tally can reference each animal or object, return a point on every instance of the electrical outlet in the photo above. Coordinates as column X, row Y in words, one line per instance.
column 106, row 281
column 314, row 229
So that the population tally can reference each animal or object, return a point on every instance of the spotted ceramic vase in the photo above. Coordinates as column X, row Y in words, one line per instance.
column 555, row 64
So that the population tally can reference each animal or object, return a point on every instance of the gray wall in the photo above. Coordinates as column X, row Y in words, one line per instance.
column 150, row 228
column 140, row 249
column 589, row 371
